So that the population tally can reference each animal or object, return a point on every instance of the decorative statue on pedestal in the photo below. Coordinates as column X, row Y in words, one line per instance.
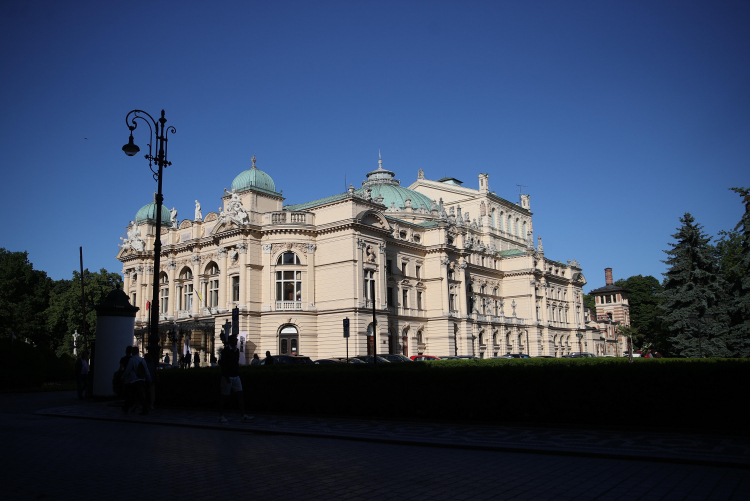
column 198, row 212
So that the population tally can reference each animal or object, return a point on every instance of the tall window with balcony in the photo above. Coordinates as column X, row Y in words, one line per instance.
column 213, row 292
column 288, row 283
column 235, row 288
column 419, row 300
column 187, row 290
column 405, row 299
column 369, row 285
column 492, row 218
column 418, row 272
column 163, row 294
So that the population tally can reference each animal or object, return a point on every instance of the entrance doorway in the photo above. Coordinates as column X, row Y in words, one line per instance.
column 289, row 341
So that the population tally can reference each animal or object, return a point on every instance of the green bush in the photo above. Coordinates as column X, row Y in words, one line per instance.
column 598, row 391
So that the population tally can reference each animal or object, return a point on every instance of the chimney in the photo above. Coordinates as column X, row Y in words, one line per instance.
column 608, row 275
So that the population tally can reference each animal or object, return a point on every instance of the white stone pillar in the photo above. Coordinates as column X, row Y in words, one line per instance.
column 115, row 321
column 222, row 278
column 310, row 282
column 242, row 249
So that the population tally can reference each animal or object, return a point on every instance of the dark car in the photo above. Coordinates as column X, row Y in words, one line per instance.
column 339, row 360
column 395, row 358
column 289, row 360
column 580, row 355
column 516, row 355
column 368, row 359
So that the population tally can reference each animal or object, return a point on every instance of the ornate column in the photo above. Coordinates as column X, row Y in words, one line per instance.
column 126, row 282
column 383, row 279
column 173, row 299
column 196, row 259
column 444, row 286
column 462, row 304
column 359, row 293
column 222, row 278
column 310, row 282
column 242, row 249
column 267, row 297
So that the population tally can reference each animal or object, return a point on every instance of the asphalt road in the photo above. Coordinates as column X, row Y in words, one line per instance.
column 54, row 458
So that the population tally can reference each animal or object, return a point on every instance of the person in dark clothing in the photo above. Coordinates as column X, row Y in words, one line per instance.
column 135, row 377
column 230, row 378
column 269, row 359
column 82, row 373
column 166, row 358
column 124, row 360
column 188, row 360
column 150, row 385
column 197, row 359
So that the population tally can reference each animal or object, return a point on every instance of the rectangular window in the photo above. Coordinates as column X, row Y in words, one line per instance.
column 369, row 285
column 213, row 293
column 453, row 302
column 389, row 296
column 163, row 300
column 135, row 299
column 388, row 266
column 419, row 300
column 235, row 289
column 418, row 271
column 187, row 297
column 405, row 302
column 403, row 269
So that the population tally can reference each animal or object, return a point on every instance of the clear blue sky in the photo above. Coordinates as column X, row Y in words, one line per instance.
column 618, row 116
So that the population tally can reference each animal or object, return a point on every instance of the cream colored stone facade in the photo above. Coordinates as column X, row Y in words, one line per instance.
column 461, row 276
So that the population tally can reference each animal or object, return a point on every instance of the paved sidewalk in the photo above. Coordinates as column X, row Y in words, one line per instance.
column 714, row 450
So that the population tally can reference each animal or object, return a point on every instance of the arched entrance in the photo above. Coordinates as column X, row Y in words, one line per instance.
column 289, row 341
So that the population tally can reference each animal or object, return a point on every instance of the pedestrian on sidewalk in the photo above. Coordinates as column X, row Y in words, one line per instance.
column 82, row 373
column 230, row 378
column 166, row 358
column 197, row 359
column 135, row 377
column 255, row 360
column 151, row 385
column 269, row 359
column 182, row 361
column 213, row 360
column 124, row 360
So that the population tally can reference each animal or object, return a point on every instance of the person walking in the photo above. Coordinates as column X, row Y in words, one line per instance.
column 269, row 359
column 196, row 359
column 255, row 360
column 135, row 377
column 124, row 360
column 166, row 359
column 82, row 373
column 230, row 378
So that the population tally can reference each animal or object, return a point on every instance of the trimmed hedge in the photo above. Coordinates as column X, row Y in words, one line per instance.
column 675, row 393
column 21, row 366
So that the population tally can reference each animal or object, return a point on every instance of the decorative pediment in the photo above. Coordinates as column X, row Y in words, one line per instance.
column 186, row 224
column 211, row 216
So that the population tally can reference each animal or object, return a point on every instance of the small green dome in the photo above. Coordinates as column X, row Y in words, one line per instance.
column 148, row 214
column 253, row 178
column 382, row 183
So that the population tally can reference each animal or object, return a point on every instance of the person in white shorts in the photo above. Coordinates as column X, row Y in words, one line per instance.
column 230, row 378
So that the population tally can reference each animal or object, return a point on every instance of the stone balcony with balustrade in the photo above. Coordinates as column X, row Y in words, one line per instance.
column 289, row 218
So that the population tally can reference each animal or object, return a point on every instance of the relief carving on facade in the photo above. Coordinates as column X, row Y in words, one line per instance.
column 133, row 241
column 370, row 254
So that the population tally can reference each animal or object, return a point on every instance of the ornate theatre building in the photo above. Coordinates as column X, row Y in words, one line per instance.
column 454, row 270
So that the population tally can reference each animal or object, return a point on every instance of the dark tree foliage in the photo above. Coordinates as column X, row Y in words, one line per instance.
column 738, row 276
column 24, row 295
column 65, row 313
column 590, row 303
column 644, row 299
column 693, row 285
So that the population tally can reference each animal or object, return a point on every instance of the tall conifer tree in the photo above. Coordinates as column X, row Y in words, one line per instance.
column 693, row 286
column 739, row 300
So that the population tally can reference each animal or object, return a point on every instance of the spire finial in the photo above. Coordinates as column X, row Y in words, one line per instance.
column 253, row 159
column 380, row 160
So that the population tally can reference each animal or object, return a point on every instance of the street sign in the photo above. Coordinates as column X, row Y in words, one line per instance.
column 346, row 327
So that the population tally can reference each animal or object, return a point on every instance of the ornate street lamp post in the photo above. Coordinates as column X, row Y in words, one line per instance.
column 159, row 131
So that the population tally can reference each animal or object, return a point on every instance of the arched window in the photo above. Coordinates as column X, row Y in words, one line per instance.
column 481, row 337
column 524, row 230
column 502, row 216
column 510, row 224
column 288, row 258
column 163, row 278
column 516, row 227
column 212, row 269
column 492, row 217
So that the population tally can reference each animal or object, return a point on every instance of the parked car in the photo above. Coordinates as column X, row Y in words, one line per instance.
column 517, row 355
column 543, row 356
column 368, row 359
column 339, row 360
column 577, row 354
column 424, row 358
column 289, row 360
column 395, row 358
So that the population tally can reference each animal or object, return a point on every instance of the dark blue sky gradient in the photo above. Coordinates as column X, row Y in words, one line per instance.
column 618, row 116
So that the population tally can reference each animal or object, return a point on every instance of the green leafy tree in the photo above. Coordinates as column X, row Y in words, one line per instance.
column 694, row 286
column 738, row 275
column 644, row 299
column 65, row 313
column 24, row 296
column 590, row 303
column 632, row 335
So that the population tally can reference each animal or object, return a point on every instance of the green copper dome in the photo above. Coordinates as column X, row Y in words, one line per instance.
column 253, row 178
column 381, row 182
column 148, row 214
